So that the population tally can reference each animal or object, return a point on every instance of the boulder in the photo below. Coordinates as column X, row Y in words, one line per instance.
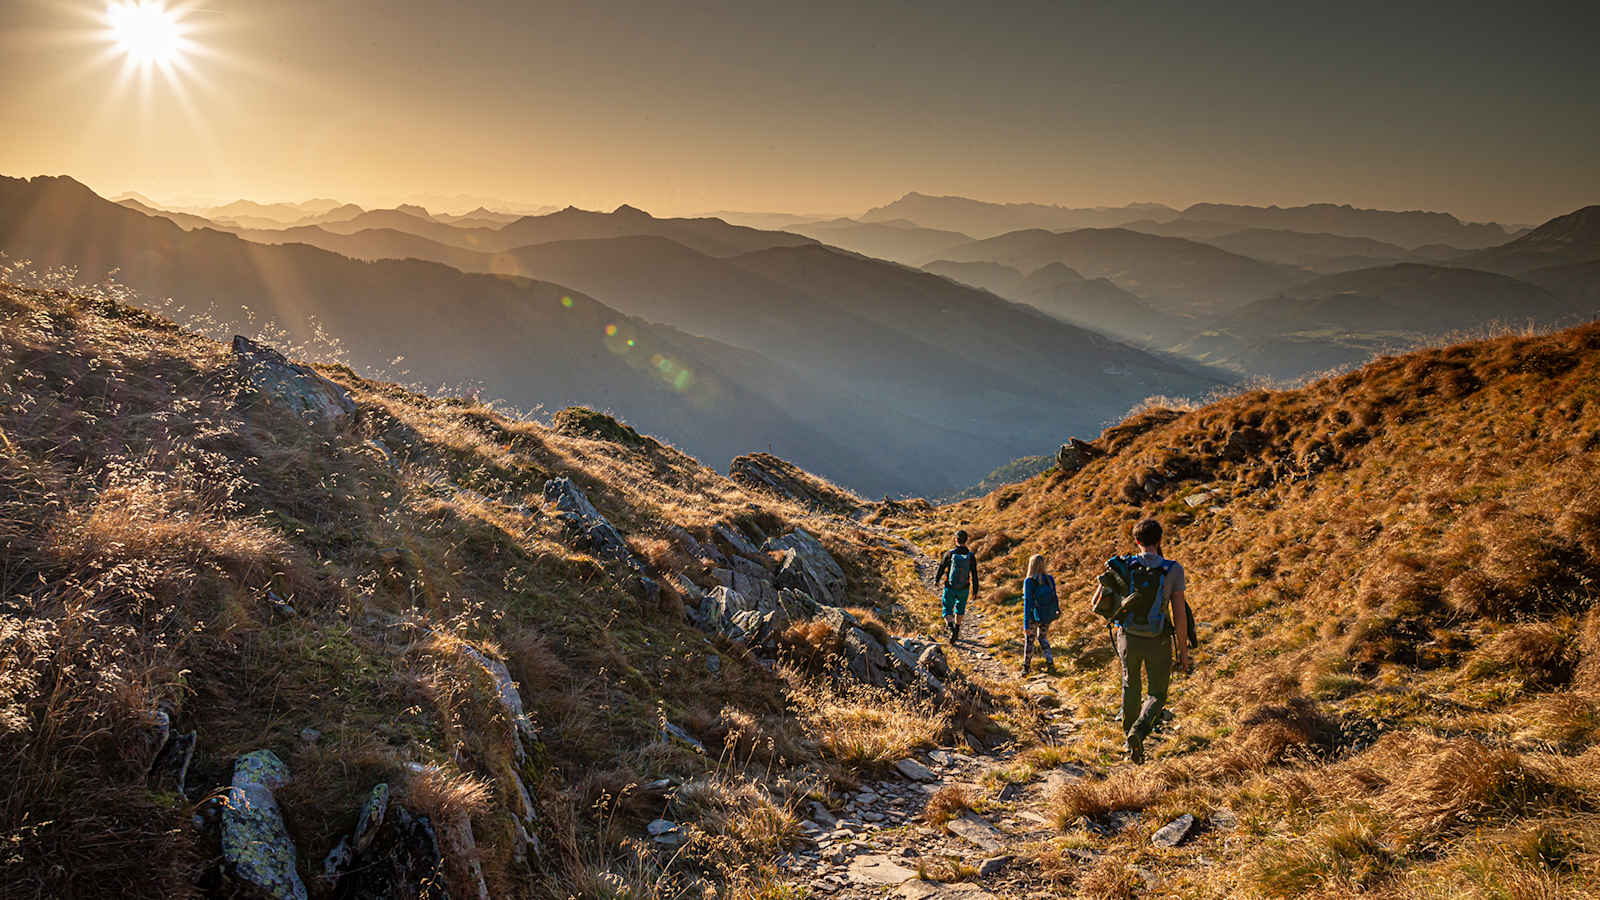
column 808, row 562
column 1173, row 833
column 584, row 523
column 255, row 842
column 297, row 388
column 1075, row 454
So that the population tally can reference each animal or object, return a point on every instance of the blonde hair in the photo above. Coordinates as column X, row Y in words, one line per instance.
column 1036, row 565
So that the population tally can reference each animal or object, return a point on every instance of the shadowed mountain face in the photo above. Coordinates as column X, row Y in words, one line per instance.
column 1565, row 240
column 1062, row 293
column 981, row 219
column 1344, row 319
column 976, row 370
column 897, row 241
column 888, row 379
column 1323, row 253
column 1172, row 274
column 518, row 338
column 1407, row 229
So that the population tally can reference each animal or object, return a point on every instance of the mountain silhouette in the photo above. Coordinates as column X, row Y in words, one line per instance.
column 898, row 240
column 1564, row 240
column 515, row 336
column 1174, row 275
column 1407, row 229
column 1343, row 319
column 982, row 219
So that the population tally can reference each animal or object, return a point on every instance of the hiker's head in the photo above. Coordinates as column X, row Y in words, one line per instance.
column 961, row 538
column 1147, row 534
column 1036, row 565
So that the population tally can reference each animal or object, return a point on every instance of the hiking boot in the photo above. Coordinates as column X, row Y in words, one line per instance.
column 1050, row 665
column 1136, row 750
column 1026, row 664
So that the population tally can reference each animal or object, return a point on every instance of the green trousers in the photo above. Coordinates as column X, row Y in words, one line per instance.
column 1153, row 655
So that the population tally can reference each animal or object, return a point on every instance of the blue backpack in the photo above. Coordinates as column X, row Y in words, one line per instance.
column 1143, row 611
column 960, row 569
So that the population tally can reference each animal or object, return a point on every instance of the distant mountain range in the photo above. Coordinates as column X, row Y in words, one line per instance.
column 897, row 240
column 1344, row 319
column 1562, row 241
column 886, row 378
column 1406, row 229
column 1178, row 276
column 1064, row 294
column 981, row 219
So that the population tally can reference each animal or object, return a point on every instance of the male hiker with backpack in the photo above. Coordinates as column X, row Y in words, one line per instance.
column 958, row 575
column 1142, row 597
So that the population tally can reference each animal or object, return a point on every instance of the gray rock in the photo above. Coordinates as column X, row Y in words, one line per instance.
column 255, row 841
column 736, row 539
column 993, row 865
column 510, row 699
column 1075, row 454
column 371, row 818
column 588, row 529
column 171, row 765
column 1173, row 833
column 310, row 736
column 914, row 770
column 879, row 870
column 978, row 832
column 674, row 733
column 824, row 578
column 297, row 388
column 933, row 660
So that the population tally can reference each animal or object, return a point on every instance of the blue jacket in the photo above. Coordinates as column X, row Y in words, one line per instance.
column 1039, row 601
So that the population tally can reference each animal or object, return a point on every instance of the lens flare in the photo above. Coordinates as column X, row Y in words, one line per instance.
column 146, row 32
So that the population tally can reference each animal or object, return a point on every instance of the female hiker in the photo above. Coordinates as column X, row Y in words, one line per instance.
column 1040, row 607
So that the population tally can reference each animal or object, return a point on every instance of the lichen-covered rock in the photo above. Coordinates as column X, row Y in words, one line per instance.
column 255, row 842
column 294, row 387
column 510, row 698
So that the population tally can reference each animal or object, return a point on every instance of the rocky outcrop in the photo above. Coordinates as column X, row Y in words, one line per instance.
column 255, row 842
column 768, row 473
column 588, row 530
column 402, row 861
column 808, row 566
column 1075, row 454
column 510, row 699
column 294, row 387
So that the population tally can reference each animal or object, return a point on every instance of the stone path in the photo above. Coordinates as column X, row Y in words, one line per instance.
column 873, row 843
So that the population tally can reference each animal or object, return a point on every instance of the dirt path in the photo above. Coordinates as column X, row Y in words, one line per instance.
column 873, row 841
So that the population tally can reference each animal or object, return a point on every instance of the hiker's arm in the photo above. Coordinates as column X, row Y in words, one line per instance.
column 1180, row 624
column 944, row 566
column 975, row 590
column 1030, row 602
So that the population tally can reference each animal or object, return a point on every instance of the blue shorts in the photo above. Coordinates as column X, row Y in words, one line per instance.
column 955, row 601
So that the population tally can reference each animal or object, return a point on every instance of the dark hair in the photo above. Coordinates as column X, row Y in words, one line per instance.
column 1148, row 533
column 961, row 536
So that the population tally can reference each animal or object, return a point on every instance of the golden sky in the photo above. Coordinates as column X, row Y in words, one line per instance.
column 1485, row 110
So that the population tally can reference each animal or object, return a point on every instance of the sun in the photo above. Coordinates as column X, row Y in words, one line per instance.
column 146, row 32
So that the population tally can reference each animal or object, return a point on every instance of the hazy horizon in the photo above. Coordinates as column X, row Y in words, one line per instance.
column 1485, row 113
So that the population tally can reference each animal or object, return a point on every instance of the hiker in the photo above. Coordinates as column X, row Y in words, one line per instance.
column 1142, row 596
column 958, row 573
column 1040, row 607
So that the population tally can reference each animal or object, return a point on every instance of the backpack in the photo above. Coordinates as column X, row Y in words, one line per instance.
column 1144, row 612
column 1047, row 605
column 960, row 569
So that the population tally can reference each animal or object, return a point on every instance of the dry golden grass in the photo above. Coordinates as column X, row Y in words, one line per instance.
column 948, row 802
column 865, row 727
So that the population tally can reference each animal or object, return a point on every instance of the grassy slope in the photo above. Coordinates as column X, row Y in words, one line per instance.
column 1401, row 665
column 144, row 515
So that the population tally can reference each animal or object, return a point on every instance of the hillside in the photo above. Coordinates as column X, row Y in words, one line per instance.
column 1322, row 253
column 1341, row 320
column 897, row 240
column 1412, row 228
column 1565, row 240
column 1398, row 684
column 982, row 219
column 1174, row 274
column 528, row 343
column 213, row 556
column 350, row 599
